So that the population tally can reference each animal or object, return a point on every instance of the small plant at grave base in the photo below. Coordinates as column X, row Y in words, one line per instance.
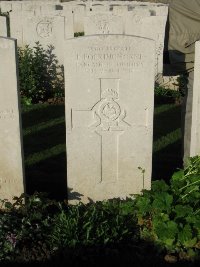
column 38, row 228
column 40, row 75
column 169, row 215
column 100, row 223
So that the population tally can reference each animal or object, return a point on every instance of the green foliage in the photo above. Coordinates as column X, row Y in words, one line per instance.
column 182, row 83
column 40, row 75
column 95, row 224
column 24, row 226
column 163, row 95
column 34, row 227
column 77, row 34
column 169, row 215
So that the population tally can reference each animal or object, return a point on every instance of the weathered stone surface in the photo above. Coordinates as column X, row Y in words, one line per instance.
column 195, row 125
column 120, row 9
column 3, row 26
column 99, row 8
column 16, row 24
column 103, row 23
column 5, row 6
column 79, row 13
column 109, row 83
column 152, row 27
column 11, row 155
column 48, row 30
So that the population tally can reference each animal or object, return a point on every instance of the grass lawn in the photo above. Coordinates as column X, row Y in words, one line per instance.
column 45, row 151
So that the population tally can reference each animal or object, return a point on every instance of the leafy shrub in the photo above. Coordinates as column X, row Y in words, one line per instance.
column 24, row 228
column 95, row 224
column 166, row 96
column 40, row 75
column 169, row 215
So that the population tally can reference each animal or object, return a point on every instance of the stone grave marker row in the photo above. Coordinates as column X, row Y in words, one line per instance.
column 28, row 28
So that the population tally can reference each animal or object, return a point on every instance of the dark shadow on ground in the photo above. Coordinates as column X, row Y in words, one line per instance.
column 167, row 161
column 168, row 158
column 43, row 113
column 45, row 150
column 44, row 139
column 48, row 176
column 167, row 121
column 123, row 255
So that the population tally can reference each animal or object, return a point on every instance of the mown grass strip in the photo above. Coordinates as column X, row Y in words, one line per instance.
column 44, row 125
column 45, row 154
column 166, row 140
column 163, row 108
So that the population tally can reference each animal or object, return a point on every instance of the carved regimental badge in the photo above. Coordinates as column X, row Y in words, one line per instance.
column 44, row 28
column 107, row 112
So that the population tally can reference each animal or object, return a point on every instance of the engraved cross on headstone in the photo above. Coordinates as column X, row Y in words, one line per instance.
column 109, row 124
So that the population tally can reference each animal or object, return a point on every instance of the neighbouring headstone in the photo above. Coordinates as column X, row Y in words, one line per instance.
column 152, row 27
column 16, row 24
column 11, row 153
column 79, row 13
column 99, row 8
column 3, row 26
column 48, row 30
column 195, row 124
column 47, row 8
column 160, row 10
column 109, row 83
column 5, row 6
column 103, row 23
column 120, row 9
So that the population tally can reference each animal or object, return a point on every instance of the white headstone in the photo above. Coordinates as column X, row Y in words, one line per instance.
column 195, row 125
column 160, row 10
column 16, row 24
column 103, row 23
column 11, row 156
column 120, row 9
column 109, row 83
column 48, row 30
column 47, row 9
column 6, row 6
column 99, row 8
column 152, row 27
column 3, row 26
column 79, row 13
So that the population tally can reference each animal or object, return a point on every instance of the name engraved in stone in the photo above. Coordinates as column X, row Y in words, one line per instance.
column 7, row 114
column 109, row 59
